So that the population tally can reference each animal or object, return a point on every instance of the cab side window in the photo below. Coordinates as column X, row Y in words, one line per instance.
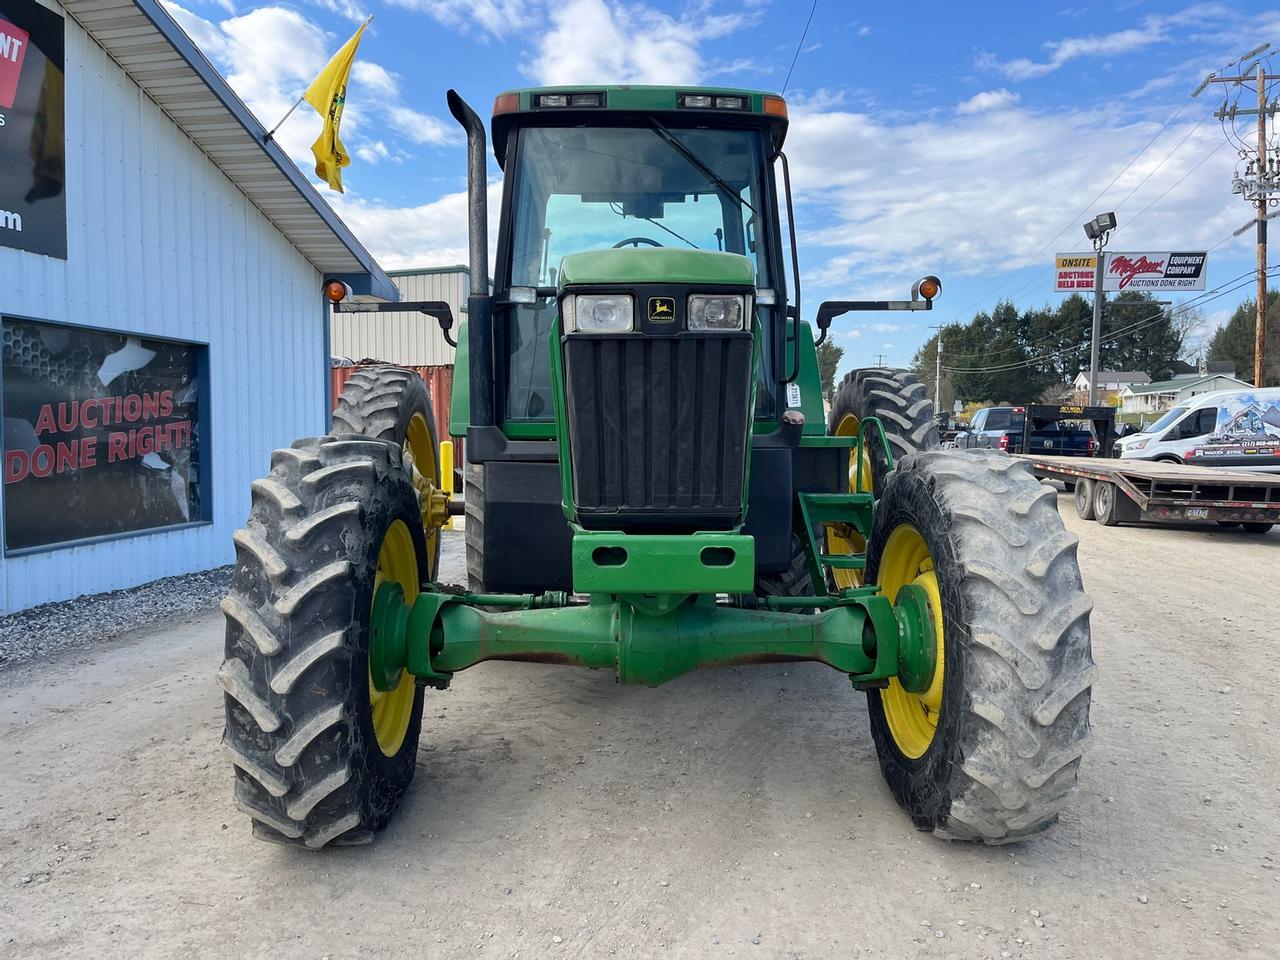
column 1201, row 423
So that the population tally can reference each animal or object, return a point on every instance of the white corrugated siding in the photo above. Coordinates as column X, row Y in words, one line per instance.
column 161, row 242
column 412, row 339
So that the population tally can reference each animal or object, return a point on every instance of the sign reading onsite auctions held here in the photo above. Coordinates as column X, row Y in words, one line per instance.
column 33, row 210
column 1073, row 272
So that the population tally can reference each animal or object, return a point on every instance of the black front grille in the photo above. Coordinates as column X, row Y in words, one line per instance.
column 658, row 429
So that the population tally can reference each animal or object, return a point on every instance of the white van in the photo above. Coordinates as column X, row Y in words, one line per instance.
column 1238, row 429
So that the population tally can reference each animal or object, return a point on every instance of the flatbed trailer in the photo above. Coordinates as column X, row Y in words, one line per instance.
column 1114, row 491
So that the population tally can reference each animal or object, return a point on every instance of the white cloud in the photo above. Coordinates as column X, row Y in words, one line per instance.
column 373, row 152
column 886, row 327
column 589, row 42
column 375, row 77
column 1154, row 30
column 430, row 234
column 981, row 193
column 500, row 18
column 988, row 100
column 421, row 128
column 592, row 41
column 343, row 8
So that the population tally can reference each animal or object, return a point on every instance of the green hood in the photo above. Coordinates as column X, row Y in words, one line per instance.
column 656, row 265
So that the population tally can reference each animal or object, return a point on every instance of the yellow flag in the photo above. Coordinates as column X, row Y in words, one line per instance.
column 328, row 94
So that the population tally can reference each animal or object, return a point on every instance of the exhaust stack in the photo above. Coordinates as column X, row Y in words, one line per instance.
column 479, row 303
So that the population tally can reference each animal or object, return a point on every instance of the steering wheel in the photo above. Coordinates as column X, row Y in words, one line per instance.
column 635, row 242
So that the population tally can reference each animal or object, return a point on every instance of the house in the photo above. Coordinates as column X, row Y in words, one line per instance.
column 1163, row 394
column 1109, row 381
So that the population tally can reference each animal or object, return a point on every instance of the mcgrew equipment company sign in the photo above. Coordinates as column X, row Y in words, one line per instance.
column 33, row 211
column 1176, row 271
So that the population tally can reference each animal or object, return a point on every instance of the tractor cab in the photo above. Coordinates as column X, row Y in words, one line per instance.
column 638, row 170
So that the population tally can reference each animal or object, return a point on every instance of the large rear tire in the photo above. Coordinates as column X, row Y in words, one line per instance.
column 320, row 756
column 473, row 503
column 389, row 403
column 990, row 752
column 898, row 399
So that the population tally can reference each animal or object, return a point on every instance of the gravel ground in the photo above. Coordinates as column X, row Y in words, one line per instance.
column 731, row 813
column 46, row 630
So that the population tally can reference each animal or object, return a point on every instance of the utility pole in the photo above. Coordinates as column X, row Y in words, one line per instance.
column 937, row 377
column 1264, row 170
column 1259, row 184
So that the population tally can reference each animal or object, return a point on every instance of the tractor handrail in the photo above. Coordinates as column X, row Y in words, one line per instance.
column 884, row 443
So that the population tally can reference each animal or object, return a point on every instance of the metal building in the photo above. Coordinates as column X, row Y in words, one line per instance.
column 409, row 339
column 161, row 268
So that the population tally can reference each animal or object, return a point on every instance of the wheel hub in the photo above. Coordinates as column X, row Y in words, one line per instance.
column 388, row 651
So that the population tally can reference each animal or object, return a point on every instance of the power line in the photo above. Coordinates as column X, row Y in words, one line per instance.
column 1245, row 280
column 1208, row 297
column 796, row 56
column 1165, row 126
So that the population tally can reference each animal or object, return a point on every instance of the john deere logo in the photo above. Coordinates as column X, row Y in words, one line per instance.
column 662, row 310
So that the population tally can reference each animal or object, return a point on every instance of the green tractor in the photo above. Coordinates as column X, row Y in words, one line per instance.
column 651, row 487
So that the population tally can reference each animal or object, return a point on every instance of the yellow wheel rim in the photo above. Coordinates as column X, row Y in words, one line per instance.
column 398, row 562
column 912, row 717
column 424, row 472
column 854, row 542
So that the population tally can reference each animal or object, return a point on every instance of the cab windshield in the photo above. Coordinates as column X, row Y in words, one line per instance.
column 593, row 188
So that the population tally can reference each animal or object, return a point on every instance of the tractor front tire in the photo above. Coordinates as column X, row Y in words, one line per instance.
column 315, row 761
column 990, row 752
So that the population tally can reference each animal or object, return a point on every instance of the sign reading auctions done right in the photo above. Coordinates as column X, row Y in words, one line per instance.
column 1176, row 271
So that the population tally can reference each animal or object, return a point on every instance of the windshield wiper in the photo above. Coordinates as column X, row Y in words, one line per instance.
column 661, row 130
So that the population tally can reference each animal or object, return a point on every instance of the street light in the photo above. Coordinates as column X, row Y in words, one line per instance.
column 1098, row 230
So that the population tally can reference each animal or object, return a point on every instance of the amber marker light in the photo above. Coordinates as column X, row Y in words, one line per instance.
column 506, row 103
column 927, row 288
column 775, row 107
column 335, row 291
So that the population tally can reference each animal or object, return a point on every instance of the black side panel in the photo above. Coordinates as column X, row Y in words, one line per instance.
column 526, row 538
column 657, row 429
column 822, row 470
column 769, row 507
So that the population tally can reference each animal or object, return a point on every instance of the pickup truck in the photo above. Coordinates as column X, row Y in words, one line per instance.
column 1000, row 428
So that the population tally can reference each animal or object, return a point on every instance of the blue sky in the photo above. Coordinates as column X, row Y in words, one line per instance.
column 956, row 139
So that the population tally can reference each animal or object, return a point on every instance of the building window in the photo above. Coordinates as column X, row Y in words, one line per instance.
column 102, row 434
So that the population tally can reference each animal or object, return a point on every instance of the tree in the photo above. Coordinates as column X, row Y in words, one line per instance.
column 1235, row 340
column 1012, row 355
column 829, row 357
column 1138, row 335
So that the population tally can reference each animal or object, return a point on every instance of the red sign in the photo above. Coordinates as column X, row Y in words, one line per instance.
column 13, row 50
column 1126, row 267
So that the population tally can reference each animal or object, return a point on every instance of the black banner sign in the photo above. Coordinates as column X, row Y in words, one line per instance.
column 33, row 207
column 101, row 433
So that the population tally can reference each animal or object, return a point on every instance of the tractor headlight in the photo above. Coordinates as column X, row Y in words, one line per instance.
column 597, row 313
column 717, row 313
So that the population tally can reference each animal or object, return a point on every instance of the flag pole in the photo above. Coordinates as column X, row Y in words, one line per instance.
column 298, row 102
column 270, row 132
